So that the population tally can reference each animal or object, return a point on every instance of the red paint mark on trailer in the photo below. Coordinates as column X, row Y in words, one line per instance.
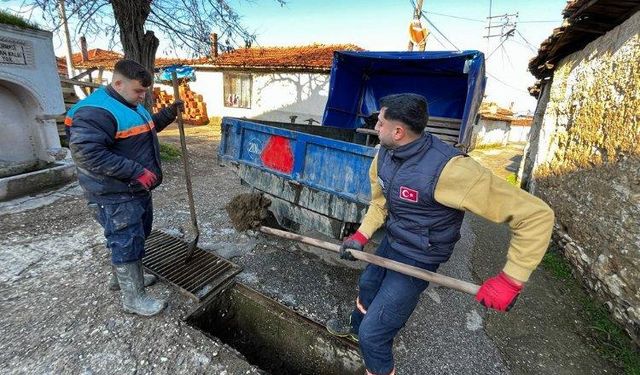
column 277, row 154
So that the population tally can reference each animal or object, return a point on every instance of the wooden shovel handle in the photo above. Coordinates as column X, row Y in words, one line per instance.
column 416, row 272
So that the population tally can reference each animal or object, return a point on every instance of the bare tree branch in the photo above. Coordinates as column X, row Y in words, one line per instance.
column 187, row 23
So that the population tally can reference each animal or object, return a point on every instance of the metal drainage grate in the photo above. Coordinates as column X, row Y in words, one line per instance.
column 202, row 275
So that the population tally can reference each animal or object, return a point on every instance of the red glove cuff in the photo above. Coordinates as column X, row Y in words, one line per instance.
column 361, row 238
column 147, row 178
column 503, row 277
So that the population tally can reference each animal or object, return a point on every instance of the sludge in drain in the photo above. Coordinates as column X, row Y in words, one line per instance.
column 273, row 337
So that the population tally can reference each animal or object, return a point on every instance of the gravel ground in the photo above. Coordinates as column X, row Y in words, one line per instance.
column 57, row 315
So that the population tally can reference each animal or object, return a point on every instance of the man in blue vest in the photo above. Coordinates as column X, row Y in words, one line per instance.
column 113, row 142
column 420, row 190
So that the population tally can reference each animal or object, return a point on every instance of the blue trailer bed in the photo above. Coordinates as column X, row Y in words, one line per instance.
column 317, row 176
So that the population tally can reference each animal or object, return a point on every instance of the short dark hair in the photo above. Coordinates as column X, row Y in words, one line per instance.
column 135, row 71
column 410, row 109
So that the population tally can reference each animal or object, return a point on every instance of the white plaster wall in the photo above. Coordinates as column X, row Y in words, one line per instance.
column 491, row 132
column 40, row 77
column 274, row 96
column 31, row 97
column 106, row 76
column 518, row 134
column 16, row 139
column 583, row 71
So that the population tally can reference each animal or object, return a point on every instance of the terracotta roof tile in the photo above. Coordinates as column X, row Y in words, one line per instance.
column 98, row 58
column 316, row 56
column 522, row 121
column 491, row 111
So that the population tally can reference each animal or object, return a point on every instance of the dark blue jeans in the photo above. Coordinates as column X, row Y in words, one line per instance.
column 126, row 226
column 389, row 298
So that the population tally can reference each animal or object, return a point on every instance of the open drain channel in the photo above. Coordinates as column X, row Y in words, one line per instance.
column 273, row 337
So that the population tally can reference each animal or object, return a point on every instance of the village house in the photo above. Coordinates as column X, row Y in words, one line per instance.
column 498, row 127
column 284, row 84
column 583, row 157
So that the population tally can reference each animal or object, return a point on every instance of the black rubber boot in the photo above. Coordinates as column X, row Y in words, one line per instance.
column 149, row 280
column 134, row 298
column 342, row 327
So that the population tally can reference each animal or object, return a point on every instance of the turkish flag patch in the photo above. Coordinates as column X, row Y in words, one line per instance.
column 408, row 194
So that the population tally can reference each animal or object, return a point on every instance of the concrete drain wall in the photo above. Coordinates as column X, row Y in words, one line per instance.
column 273, row 337
column 37, row 181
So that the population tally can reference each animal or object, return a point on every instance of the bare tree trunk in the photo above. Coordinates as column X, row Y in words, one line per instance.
column 138, row 45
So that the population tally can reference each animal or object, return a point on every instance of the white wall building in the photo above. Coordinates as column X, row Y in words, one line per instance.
column 261, row 83
column 260, row 95
column 499, row 127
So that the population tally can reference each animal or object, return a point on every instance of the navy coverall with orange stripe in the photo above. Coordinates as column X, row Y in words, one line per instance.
column 112, row 142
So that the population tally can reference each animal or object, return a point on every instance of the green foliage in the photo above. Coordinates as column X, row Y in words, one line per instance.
column 556, row 264
column 513, row 179
column 612, row 342
column 489, row 146
column 11, row 19
column 169, row 152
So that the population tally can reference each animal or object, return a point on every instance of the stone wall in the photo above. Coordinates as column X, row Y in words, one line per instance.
column 587, row 166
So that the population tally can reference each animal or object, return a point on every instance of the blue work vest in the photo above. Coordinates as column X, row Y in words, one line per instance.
column 130, row 122
column 417, row 226
column 133, row 138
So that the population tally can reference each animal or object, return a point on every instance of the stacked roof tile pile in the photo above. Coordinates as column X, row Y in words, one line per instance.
column 195, row 109
column 492, row 111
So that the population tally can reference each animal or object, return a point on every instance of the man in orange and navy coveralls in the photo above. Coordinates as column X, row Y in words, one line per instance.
column 113, row 142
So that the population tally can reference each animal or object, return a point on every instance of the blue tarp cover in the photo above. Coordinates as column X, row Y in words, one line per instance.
column 452, row 81
column 182, row 71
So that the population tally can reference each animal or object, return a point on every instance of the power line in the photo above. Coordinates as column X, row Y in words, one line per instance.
column 438, row 30
column 556, row 21
column 422, row 14
column 523, row 45
column 438, row 40
column 479, row 20
column 499, row 45
column 526, row 41
column 504, row 52
column 506, row 84
column 456, row 17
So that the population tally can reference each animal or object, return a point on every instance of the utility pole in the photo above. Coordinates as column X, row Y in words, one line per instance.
column 67, row 38
column 489, row 27
column 506, row 23
column 65, row 27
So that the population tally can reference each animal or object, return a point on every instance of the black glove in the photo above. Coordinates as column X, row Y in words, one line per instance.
column 351, row 242
column 178, row 104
